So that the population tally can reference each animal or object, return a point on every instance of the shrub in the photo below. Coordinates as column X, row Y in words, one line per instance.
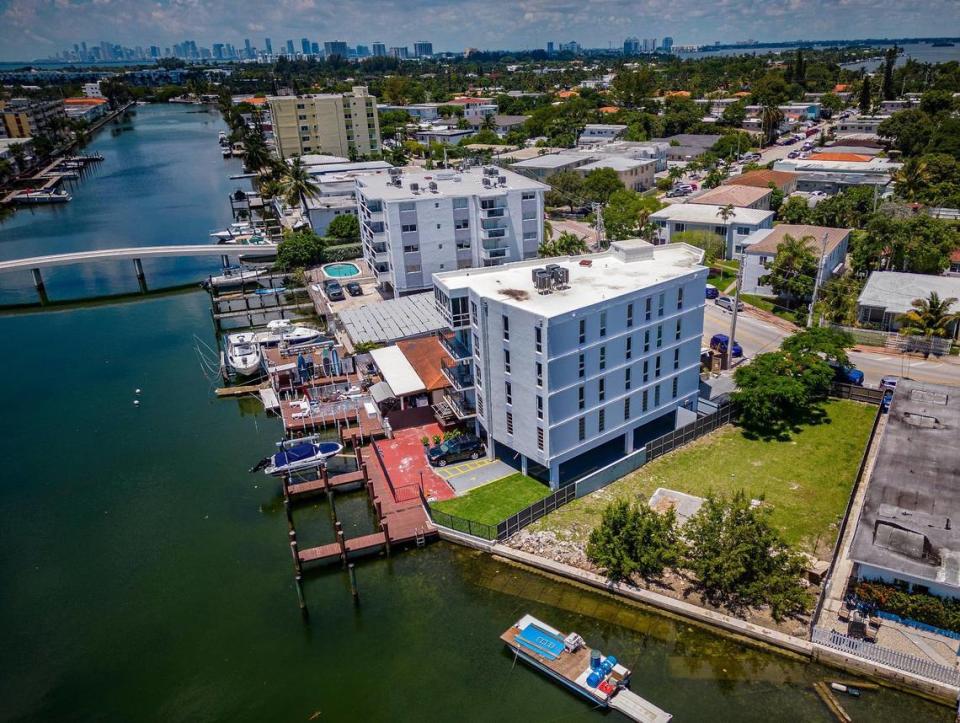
column 634, row 539
column 342, row 252
column 922, row 607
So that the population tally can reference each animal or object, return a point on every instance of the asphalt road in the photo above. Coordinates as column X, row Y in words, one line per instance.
column 757, row 336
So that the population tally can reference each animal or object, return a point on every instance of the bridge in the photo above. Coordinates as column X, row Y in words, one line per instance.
column 136, row 253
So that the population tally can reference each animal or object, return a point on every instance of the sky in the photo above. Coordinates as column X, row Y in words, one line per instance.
column 38, row 28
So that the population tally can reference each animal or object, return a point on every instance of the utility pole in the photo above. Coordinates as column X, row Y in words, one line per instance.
column 816, row 279
column 598, row 224
column 736, row 308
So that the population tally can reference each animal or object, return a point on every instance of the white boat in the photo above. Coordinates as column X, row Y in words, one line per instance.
column 43, row 197
column 282, row 330
column 298, row 454
column 234, row 276
column 227, row 153
column 243, row 354
column 233, row 230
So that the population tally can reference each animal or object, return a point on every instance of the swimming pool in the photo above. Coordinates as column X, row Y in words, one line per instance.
column 342, row 270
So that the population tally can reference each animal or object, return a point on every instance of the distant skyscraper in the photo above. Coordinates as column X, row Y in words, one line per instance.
column 154, row 51
column 668, row 44
column 363, row 51
column 305, row 46
column 290, row 50
column 335, row 47
column 422, row 49
column 379, row 50
column 247, row 48
column 218, row 51
column 315, row 49
column 268, row 46
column 572, row 47
column 400, row 52
column 550, row 46
column 631, row 46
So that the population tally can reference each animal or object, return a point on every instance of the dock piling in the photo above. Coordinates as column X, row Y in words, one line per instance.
column 295, row 551
column 141, row 278
column 341, row 543
column 38, row 284
column 301, row 600
column 353, row 583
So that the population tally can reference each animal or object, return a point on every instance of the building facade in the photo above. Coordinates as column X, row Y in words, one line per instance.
column 27, row 118
column 342, row 125
column 414, row 225
column 567, row 368
column 829, row 245
column 732, row 225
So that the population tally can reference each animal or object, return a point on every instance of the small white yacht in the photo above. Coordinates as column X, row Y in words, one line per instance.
column 283, row 330
column 234, row 276
column 59, row 196
column 243, row 354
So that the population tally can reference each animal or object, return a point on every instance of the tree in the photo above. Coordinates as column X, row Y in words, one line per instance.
column 887, row 90
column 831, row 103
column 631, row 89
column 299, row 249
column 626, row 213
column 566, row 189
column 600, row 183
column 831, row 344
column 794, row 268
column 345, row 228
column 946, row 138
column 566, row 244
column 740, row 559
column 776, row 196
column 837, row 301
column 734, row 114
column 607, row 546
column 930, row 317
column 296, row 183
column 634, row 539
column 865, row 102
column 727, row 212
column 256, row 154
column 770, row 119
column 769, row 392
column 934, row 102
column 794, row 211
column 909, row 130
column 714, row 246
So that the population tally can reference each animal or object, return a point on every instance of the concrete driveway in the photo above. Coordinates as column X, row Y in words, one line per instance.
column 465, row 476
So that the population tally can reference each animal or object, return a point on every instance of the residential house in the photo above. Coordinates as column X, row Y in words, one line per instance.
column 739, row 224
column 601, row 133
column 763, row 178
column 688, row 146
column 833, row 176
column 888, row 295
column 634, row 174
column 736, row 195
column 829, row 245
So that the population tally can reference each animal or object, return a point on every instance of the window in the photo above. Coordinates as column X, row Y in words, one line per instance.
column 476, row 344
column 675, row 381
column 531, row 235
column 411, row 248
column 460, row 203
column 659, row 335
column 629, row 352
column 413, row 268
column 656, row 396
column 473, row 312
column 537, row 339
column 540, row 438
column 509, row 422
column 581, row 429
column 603, row 358
column 720, row 230
column 646, row 370
column 603, row 323
column 743, row 230
column 656, row 368
column 539, row 407
column 680, row 298
column 478, row 374
column 583, row 331
column 506, row 327
column 508, row 388
column 648, row 306
column 601, row 389
column 528, row 195
column 629, row 315
column 679, row 330
column 479, row 405
column 601, row 420
column 539, row 374
column 646, row 340
column 461, row 223
column 660, row 304
column 408, row 206
column 676, row 358
column 506, row 361
column 581, row 403
column 643, row 401
column 679, row 227
column 626, row 409
column 581, row 366
column 627, row 378
column 408, row 227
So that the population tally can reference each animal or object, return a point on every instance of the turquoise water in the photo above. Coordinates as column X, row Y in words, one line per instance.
column 146, row 574
column 340, row 271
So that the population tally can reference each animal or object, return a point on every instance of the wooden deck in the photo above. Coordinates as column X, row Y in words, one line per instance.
column 569, row 665
column 299, row 490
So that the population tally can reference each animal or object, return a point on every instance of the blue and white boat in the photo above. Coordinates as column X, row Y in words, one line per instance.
column 298, row 454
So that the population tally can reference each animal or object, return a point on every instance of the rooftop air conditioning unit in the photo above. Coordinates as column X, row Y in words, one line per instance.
column 490, row 170
column 542, row 281
column 561, row 277
column 394, row 172
column 486, row 182
column 502, row 180
column 433, row 186
column 415, row 187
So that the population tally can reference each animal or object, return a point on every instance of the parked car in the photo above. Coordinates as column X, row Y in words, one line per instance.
column 847, row 374
column 726, row 302
column 719, row 342
column 750, row 157
column 354, row 289
column 455, row 450
column 793, row 154
column 818, row 194
column 334, row 291
column 889, row 383
column 712, row 291
column 681, row 189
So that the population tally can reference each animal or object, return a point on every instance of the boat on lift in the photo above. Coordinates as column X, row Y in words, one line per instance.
column 283, row 330
column 234, row 276
column 298, row 454
column 244, row 356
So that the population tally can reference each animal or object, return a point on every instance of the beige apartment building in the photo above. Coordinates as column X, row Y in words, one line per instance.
column 328, row 123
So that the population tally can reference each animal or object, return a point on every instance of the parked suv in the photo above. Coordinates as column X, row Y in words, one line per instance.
column 454, row 450
column 334, row 291
column 847, row 374
column 719, row 344
column 726, row 302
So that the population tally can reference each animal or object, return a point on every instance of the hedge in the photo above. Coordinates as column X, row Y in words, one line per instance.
column 342, row 252
column 922, row 607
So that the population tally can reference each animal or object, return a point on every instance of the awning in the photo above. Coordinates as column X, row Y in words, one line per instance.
column 381, row 392
column 397, row 371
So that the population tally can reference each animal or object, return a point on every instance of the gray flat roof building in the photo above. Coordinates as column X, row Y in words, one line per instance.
column 388, row 321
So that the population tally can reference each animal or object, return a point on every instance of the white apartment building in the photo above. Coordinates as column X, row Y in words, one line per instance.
column 92, row 90
column 326, row 123
column 414, row 225
column 738, row 224
column 566, row 367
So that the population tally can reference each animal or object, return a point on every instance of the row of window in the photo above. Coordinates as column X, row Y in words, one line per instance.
column 627, row 411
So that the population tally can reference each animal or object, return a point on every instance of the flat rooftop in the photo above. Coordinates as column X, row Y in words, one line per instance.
column 709, row 213
column 618, row 163
column 552, row 160
column 914, row 490
column 449, row 183
column 896, row 290
column 393, row 319
column 627, row 267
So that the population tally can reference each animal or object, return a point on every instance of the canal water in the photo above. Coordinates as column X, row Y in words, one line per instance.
column 146, row 575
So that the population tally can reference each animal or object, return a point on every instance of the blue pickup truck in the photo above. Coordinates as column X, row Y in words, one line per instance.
column 847, row 374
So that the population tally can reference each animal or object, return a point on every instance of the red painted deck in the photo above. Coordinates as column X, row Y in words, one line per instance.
column 324, row 552
column 406, row 464
column 365, row 542
column 404, row 519
column 316, row 486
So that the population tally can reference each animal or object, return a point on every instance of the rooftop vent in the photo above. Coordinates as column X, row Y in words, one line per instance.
column 486, row 182
column 394, row 172
column 502, row 180
column 542, row 281
column 415, row 187
column 491, row 171
column 433, row 186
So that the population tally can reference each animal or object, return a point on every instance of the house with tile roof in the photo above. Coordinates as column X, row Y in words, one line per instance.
column 760, row 249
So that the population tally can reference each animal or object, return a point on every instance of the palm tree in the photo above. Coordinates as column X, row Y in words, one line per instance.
column 257, row 155
column 566, row 244
column 911, row 178
column 674, row 174
column 296, row 183
column 930, row 317
column 770, row 119
column 727, row 212
column 547, row 230
column 489, row 123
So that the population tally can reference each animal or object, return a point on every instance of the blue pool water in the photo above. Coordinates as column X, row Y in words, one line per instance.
column 341, row 270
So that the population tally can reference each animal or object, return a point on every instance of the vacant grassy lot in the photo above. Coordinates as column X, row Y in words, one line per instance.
column 762, row 302
column 496, row 501
column 806, row 480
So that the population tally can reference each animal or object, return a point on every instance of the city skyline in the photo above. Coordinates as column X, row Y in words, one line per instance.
column 39, row 28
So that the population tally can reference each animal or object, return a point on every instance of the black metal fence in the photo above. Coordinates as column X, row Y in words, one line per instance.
column 679, row 437
column 534, row 512
column 856, row 394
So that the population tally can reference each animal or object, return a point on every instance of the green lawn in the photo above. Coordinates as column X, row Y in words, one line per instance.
column 496, row 501
column 806, row 480
column 762, row 302
column 723, row 279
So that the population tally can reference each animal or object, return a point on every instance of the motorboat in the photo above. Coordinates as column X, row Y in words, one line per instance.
column 243, row 354
column 283, row 330
column 234, row 276
column 42, row 197
column 233, row 230
column 298, row 454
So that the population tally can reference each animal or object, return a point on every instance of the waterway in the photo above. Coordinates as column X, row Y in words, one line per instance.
column 146, row 576
column 922, row 52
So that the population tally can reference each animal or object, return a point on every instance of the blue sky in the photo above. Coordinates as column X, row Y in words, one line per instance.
column 35, row 28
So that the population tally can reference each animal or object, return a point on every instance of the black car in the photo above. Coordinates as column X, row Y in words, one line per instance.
column 454, row 450
column 354, row 289
column 334, row 291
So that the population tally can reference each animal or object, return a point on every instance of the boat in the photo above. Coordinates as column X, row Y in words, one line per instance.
column 243, row 354
column 29, row 196
column 226, row 152
column 298, row 454
column 282, row 330
column 600, row 679
column 234, row 276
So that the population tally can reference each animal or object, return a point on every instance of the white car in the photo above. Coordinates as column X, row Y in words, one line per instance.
column 726, row 302
column 818, row 194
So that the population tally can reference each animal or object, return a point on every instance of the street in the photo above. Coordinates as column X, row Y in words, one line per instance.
column 757, row 336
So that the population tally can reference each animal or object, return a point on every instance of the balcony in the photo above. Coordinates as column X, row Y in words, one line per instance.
column 493, row 233
column 495, row 253
column 455, row 348
column 459, row 375
column 496, row 212
column 462, row 407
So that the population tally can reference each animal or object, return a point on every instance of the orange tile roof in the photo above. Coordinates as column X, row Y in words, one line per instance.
column 742, row 93
column 813, row 235
column 955, row 256
column 848, row 157
column 85, row 101
column 567, row 93
column 678, row 93
column 609, row 109
column 762, row 178
column 424, row 355
column 841, row 88
column 257, row 101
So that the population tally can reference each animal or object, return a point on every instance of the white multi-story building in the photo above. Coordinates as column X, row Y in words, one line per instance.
column 569, row 366
column 414, row 225
column 343, row 124
column 733, row 225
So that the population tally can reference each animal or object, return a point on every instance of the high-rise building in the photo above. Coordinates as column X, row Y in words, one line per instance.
column 315, row 49
column 363, row 51
column 549, row 46
column 572, row 47
column 379, row 49
column 247, row 48
column 305, row 46
column 331, row 123
column 422, row 49
column 631, row 46
column 400, row 52
column 417, row 224
column 28, row 118
column 572, row 366
column 154, row 51
column 335, row 47
column 268, row 46
column 218, row 51
column 290, row 50
column 667, row 44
